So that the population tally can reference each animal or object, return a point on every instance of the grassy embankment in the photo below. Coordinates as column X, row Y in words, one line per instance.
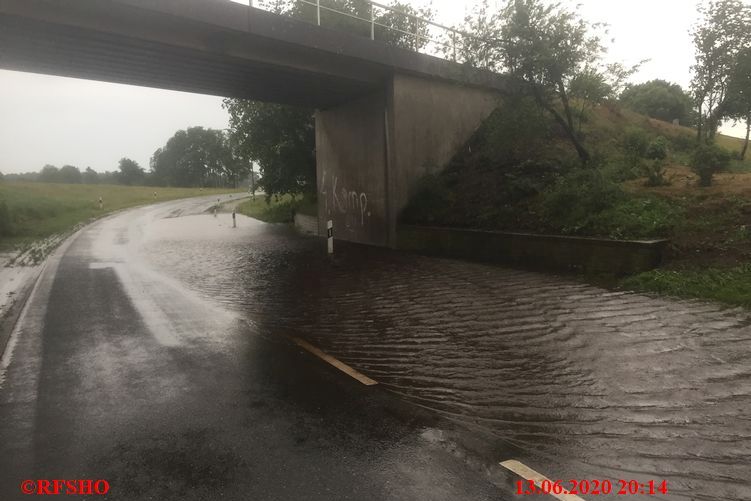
column 519, row 174
column 711, row 244
column 280, row 209
column 34, row 211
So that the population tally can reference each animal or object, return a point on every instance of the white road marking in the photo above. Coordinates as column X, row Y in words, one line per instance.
column 103, row 266
column 528, row 473
column 10, row 346
column 333, row 361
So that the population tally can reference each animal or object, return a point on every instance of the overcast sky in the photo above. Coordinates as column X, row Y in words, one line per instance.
column 61, row 121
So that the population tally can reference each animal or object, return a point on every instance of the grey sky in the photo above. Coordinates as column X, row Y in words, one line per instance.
column 66, row 121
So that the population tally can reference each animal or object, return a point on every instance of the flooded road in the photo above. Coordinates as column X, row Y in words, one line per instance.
column 583, row 382
column 574, row 381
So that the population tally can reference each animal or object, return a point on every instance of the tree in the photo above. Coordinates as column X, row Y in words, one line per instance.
column 722, row 34
column 281, row 139
column 90, row 176
column 476, row 48
column 69, row 174
column 738, row 104
column 706, row 160
column 49, row 174
column 130, row 172
column 661, row 100
column 109, row 177
column 399, row 26
column 590, row 88
column 546, row 47
column 197, row 157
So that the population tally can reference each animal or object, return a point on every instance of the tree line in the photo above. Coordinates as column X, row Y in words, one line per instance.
column 192, row 158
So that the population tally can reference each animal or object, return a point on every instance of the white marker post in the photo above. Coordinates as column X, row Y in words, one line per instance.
column 330, row 235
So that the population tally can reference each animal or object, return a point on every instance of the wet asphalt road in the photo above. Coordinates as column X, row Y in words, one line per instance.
column 120, row 372
column 154, row 353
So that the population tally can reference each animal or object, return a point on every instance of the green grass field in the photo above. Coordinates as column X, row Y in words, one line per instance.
column 32, row 211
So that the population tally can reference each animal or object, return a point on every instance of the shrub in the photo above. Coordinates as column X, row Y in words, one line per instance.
column 571, row 204
column 635, row 145
column 654, row 168
column 635, row 142
column 683, row 142
column 638, row 218
column 657, row 149
column 708, row 159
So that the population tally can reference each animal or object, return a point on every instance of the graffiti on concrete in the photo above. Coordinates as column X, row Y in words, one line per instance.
column 353, row 205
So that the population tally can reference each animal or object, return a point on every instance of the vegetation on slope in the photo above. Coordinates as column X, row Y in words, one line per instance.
column 279, row 208
column 518, row 173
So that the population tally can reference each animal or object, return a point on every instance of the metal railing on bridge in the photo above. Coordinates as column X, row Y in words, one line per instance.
column 422, row 35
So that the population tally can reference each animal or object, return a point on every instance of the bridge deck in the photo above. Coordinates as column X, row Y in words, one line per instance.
column 208, row 46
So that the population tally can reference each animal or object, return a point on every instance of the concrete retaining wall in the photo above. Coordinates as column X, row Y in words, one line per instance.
column 307, row 225
column 550, row 252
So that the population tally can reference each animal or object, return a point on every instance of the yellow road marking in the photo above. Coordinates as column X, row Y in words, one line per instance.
column 336, row 363
column 528, row 473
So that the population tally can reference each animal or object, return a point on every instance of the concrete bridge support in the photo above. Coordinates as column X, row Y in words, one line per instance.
column 372, row 151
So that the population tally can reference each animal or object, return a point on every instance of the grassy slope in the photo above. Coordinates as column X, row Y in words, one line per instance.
column 711, row 246
column 710, row 228
column 39, row 210
column 710, row 252
column 277, row 209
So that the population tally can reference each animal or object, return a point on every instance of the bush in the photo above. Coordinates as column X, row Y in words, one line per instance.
column 707, row 160
column 572, row 203
column 638, row 218
column 654, row 168
column 635, row 145
column 657, row 149
column 635, row 142
column 683, row 142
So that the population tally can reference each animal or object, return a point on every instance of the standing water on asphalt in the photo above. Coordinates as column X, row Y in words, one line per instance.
column 595, row 384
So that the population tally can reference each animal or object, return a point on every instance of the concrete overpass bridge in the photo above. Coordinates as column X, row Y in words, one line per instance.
column 385, row 116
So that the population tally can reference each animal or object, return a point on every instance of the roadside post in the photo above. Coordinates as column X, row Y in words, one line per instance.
column 330, row 236
column 234, row 219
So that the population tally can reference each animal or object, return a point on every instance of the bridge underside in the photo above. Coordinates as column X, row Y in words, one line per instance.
column 386, row 115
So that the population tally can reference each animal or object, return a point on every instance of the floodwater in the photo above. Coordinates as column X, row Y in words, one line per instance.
column 583, row 383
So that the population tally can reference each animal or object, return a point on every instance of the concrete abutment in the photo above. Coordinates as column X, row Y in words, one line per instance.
column 371, row 152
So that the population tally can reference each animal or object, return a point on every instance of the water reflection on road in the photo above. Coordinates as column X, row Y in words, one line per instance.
column 586, row 382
